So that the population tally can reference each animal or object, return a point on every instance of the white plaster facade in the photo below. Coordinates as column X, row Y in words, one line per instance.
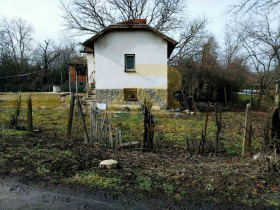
column 108, row 60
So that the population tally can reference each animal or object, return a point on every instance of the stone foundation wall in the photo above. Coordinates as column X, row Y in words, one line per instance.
column 115, row 97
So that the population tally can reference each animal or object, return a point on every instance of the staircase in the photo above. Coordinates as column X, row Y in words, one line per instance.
column 91, row 95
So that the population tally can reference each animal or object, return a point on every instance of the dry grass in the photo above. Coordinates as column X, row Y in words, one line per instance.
column 171, row 129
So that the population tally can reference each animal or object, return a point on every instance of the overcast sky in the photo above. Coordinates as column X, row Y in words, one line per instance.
column 45, row 15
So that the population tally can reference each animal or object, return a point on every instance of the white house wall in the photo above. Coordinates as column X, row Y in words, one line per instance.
column 90, row 66
column 150, row 60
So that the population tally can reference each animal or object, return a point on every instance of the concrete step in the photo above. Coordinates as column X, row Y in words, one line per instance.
column 90, row 99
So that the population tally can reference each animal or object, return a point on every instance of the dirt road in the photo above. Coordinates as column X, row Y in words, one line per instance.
column 14, row 195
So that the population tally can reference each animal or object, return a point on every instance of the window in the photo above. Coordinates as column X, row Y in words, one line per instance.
column 81, row 70
column 130, row 95
column 129, row 63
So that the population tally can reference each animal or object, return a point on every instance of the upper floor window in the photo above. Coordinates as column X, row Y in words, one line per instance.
column 129, row 62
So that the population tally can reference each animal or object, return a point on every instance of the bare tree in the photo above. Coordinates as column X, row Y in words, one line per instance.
column 254, row 5
column 261, row 42
column 47, row 52
column 16, row 36
column 193, row 34
column 16, row 43
column 231, row 48
column 91, row 16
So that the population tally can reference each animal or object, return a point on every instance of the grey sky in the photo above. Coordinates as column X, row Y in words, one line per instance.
column 45, row 15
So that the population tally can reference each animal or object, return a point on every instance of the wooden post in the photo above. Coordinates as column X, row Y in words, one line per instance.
column 218, row 126
column 95, row 124
column 14, row 117
column 117, row 137
column 69, row 85
column 247, row 133
column 203, row 135
column 76, row 84
column 149, row 125
column 70, row 116
column 80, row 111
column 187, row 145
column 91, row 120
column 120, row 137
column 251, row 96
column 29, row 114
column 110, row 133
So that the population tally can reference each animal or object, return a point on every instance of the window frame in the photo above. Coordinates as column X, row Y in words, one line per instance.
column 125, row 66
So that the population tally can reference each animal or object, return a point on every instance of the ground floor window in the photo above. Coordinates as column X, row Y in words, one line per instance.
column 130, row 94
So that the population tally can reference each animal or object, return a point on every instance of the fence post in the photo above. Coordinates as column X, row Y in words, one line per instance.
column 218, row 117
column 120, row 137
column 70, row 116
column 117, row 137
column 187, row 146
column 110, row 133
column 29, row 114
column 91, row 120
column 95, row 125
column 247, row 133
column 203, row 135
column 82, row 119
column 149, row 125
column 14, row 117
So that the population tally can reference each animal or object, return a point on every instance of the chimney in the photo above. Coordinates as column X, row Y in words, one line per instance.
column 136, row 21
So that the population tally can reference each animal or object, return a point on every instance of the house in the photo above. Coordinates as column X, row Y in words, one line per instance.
column 127, row 63
column 78, row 66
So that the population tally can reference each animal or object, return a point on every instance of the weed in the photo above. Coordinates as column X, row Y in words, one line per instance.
column 145, row 183
column 92, row 179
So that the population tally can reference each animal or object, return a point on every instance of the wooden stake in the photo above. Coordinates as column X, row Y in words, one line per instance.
column 120, row 137
column 117, row 137
column 29, row 114
column 80, row 111
column 70, row 117
column 247, row 133
column 203, row 135
column 218, row 126
column 91, row 120
column 187, row 145
column 96, row 126
column 110, row 133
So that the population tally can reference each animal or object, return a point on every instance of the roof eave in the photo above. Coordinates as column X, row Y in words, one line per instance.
column 125, row 26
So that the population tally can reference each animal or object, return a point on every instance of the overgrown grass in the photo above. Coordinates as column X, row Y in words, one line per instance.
column 39, row 100
column 171, row 128
column 93, row 179
column 57, row 160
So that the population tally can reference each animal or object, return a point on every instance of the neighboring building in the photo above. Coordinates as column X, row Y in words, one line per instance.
column 78, row 64
column 127, row 62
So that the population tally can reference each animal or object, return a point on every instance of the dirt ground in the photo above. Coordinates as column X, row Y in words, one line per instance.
column 145, row 179
column 175, row 176
column 15, row 195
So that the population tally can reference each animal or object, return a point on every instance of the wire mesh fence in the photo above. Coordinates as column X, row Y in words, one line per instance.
column 173, row 130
